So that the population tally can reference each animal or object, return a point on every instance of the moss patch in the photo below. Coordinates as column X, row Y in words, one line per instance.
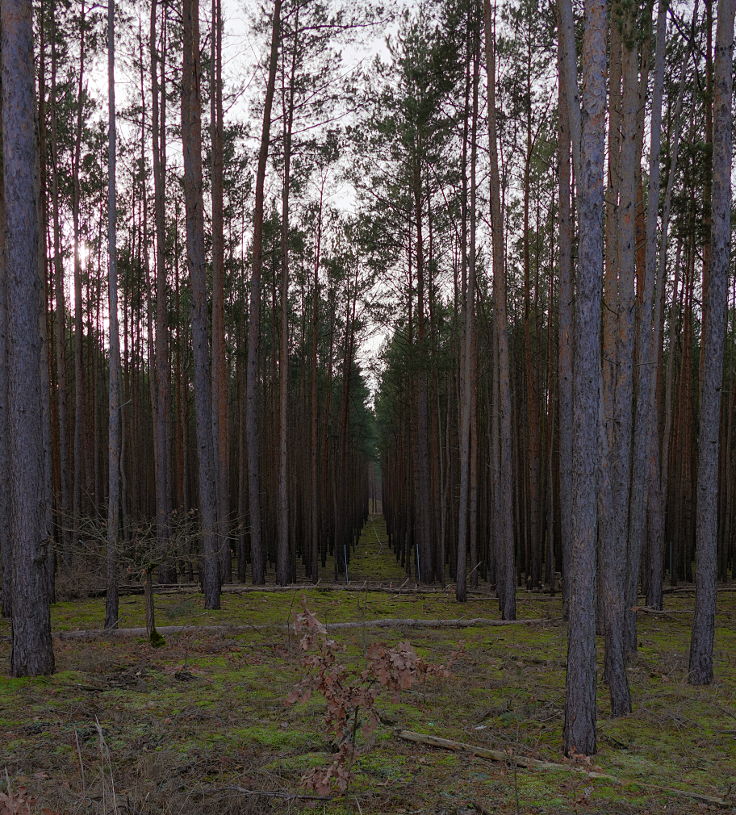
column 206, row 710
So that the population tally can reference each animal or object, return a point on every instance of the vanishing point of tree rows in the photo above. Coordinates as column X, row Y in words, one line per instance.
column 531, row 203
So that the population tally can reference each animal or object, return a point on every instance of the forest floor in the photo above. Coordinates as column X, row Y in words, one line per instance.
column 172, row 728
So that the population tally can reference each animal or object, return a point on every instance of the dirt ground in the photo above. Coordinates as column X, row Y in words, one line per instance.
column 200, row 725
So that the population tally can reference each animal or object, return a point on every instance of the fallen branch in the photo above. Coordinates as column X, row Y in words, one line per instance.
column 194, row 588
column 284, row 796
column 659, row 612
column 118, row 633
column 537, row 764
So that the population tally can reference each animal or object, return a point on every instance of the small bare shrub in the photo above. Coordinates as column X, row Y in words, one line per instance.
column 351, row 695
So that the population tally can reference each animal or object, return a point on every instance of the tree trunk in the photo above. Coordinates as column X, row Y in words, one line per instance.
column 6, row 541
column 711, row 374
column 253, row 387
column 191, row 129
column 31, row 649
column 283, row 560
column 565, row 323
column 64, row 506
column 79, row 383
column 219, row 362
column 646, row 431
column 114, row 438
column 162, row 406
column 504, row 521
column 580, row 697
column 618, row 351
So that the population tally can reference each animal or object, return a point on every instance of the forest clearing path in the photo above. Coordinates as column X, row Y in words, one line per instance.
column 372, row 559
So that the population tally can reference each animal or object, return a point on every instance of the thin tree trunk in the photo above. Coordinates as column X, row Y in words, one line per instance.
column 64, row 509
column 504, row 521
column 565, row 324
column 466, row 385
column 283, row 564
column 162, row 407
column 253, row 387
column 219, row 362
column 646, row 433
column 114, row 439
column 79, row 383
column 191, row 121
column 314, row 403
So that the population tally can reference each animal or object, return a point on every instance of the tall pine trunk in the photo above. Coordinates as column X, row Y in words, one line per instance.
column 31, row 648
column 114, row 438
column 191, row 132
column 580, row 696
column 504, row 519
column 711, row 373
column 253, row 385
column 219, row 361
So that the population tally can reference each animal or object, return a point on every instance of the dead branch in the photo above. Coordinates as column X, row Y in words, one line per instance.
column 119, row 633
column 537, row 764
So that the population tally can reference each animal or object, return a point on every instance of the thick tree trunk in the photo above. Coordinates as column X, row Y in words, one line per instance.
column 618, row 351
column 6, row 540
column 711, row 374
column 191, row 129
column 31, row 651
column 580, row 697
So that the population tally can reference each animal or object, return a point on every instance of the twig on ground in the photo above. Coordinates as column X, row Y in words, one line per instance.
column 285, row 796
column 118, row 633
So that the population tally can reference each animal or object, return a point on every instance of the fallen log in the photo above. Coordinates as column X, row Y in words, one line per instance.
column 120, row 633
column 161, row 589
column 537, row 764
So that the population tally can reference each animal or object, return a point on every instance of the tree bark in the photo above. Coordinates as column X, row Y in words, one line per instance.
column 580, row 696
column 6, row 541
column 219, row 361
column 504, row 522
column 253, row 387
column 79, row 381
column 114, row 438
column 646, row 433
column 711, row 374
column 283, row 560
column 31, row 651
column 162, row 406
column 191, row 127
column 565, row 322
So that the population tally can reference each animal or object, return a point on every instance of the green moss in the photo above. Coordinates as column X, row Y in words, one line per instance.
column 227, row 720
column 273, row 737
column 156, row 639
